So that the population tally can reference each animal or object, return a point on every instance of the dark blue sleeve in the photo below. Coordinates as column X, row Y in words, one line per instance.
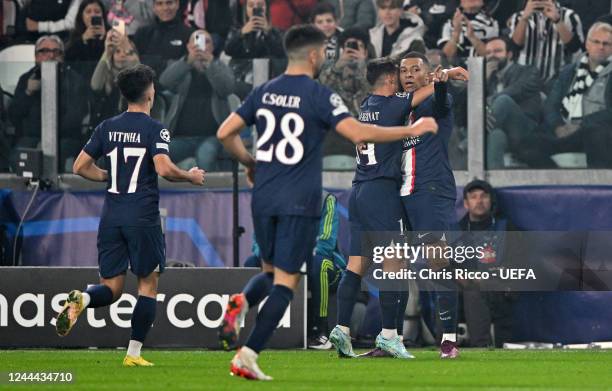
column 403, row 102
column 329, row 107
column 160, row 140
column 94, row 146
column 442, row 100
column 248, row 108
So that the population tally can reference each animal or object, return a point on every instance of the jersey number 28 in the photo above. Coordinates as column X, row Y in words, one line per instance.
column 291, row 126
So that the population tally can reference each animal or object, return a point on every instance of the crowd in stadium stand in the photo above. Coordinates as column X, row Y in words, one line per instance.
column 547, row 83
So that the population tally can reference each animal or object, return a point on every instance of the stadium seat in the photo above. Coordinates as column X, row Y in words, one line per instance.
column 14, row 62
column 570, row 160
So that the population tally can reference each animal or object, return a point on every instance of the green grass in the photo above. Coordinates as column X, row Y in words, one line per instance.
column 309, row 370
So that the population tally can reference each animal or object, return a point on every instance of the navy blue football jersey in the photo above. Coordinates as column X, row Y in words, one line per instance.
column 128, row 143
column 425, row 163
column 382, row 160
column 291, row 115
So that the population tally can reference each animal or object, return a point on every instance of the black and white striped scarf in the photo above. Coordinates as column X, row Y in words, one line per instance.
column 571, row 108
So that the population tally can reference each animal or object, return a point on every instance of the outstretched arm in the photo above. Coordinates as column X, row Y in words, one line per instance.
column 359, row 132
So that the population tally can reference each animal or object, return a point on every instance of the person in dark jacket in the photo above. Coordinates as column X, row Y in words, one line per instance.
column 484, row 227
column 164, row 40
column 25, row 107
column 578, row 109
column 255, row 39
column 86, row 43
column 48, row 17
column 513, row 101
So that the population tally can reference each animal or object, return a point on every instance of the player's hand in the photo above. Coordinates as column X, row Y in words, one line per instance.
column 250, row 176
column 458, row 73
column 424, row 125
column 196, row 176
column 439, row 75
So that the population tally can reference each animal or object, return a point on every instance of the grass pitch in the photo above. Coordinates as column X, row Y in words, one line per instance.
column 312, row 370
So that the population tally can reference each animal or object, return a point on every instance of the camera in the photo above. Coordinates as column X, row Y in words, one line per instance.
column 258, row 11
column 352, row 45
column 96, row 21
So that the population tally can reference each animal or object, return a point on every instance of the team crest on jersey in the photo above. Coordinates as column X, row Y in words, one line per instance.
column 401, row 94
column 165, row 135
column 336, row 100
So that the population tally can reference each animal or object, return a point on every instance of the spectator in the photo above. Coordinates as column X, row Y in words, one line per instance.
column 355, row 13
column 348, row 78
column 119, row 53
column 287, row 13
column 464, row 35
column 588, row 10
column 135, row 14
column 578, row 110
column 86, row 43
column 201, row 84
column 396, row 35
column 25, row 107
column 547, row 34
column 50, row 16
column 165, row 39
column 434, row 14
column 324, row 18
column 484, row 228
column 513, row 101
column 213, row 16
column 255, row 39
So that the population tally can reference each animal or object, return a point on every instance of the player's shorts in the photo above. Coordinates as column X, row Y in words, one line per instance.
column 375, row 211
column 428, row 212
column 143, row 248
column 286, row 241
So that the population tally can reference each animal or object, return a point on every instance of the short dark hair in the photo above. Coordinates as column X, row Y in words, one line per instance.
column 322, row 9
column 418, row 55
column 392, row 3
column 380, row 67
column 510, row 45
column 134, row 81
column 355, row 33
column 301, row 36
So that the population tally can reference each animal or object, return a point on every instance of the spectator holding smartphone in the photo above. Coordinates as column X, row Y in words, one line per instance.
column 255, row 39
column 86, row 43
column 464, row 35
column 548, row 34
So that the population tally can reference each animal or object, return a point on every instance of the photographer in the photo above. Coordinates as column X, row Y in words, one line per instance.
column 201, row 84
column 255, row 39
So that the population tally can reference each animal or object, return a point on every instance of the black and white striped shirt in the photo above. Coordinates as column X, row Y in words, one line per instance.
column 485, row 27
column 543, row 47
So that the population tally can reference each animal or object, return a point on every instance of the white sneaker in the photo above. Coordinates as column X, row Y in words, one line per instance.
column 244, row 364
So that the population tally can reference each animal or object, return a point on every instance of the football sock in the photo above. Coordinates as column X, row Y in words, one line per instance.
column 389, row 333
column 134, row 348
column 449, row 337
column 142, row 317
column 401, row 310
column 388, row 307
column 268, row 318
column 447, row 310
column 97, row 296
column 258, row 288
column 348, row 289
